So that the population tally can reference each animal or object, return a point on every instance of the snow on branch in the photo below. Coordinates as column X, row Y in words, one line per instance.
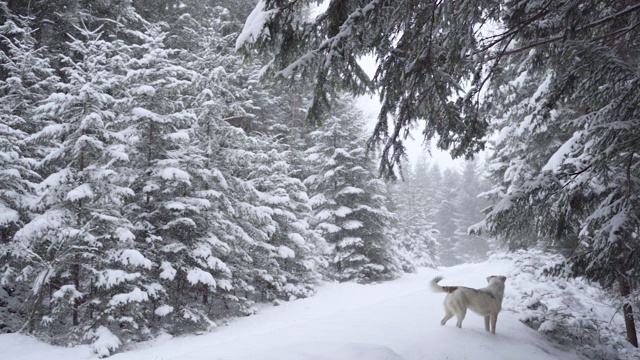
column 254, row 27
column 105, row 341
column 135, row 295
column 195, row 276
column 135, row 258
column 81, row 192
column 330, row 46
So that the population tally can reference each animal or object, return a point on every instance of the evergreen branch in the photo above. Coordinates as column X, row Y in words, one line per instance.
column 615, row 33
column 629, row 182
column 612, row 17
column 574, row 174
column 511, row 33
column 332, row 42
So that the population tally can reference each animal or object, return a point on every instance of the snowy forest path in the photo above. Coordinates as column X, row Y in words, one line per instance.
column 393, row 320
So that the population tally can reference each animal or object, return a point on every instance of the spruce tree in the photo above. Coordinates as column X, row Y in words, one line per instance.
column 294, row 257
column 414, row 211
column 170, row 207
column 447, row 217
column 65, row 249
column 470, row 247
column 578, row 189
column 26, row 77
column 349, row 203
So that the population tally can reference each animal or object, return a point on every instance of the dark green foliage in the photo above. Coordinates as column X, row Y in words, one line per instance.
column 569, row 169
column 562, row 83
column 56, row 20
column 154, row 185
column 566, row 158
column 425, row 51
column 349, row 203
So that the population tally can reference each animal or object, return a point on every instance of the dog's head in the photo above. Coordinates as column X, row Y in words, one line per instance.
column 499, row 277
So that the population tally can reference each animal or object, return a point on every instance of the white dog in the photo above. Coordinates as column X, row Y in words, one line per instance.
column 486, row 301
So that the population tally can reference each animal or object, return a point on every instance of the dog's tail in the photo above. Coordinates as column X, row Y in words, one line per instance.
column 434, row 284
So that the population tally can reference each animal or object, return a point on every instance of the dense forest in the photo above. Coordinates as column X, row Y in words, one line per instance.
column 151, row 182
column 550, row 87
column 166, row 165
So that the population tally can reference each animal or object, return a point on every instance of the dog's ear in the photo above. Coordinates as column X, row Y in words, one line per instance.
column 500, row 277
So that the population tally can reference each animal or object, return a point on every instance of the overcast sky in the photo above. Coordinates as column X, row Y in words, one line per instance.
column 370, row 106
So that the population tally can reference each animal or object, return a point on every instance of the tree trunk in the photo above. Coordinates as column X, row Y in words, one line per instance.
column 205, row 294
column 627, row 310
column 39, row 296
column 75, row 270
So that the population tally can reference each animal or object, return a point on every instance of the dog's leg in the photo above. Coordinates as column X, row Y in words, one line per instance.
column 461, row 314
column 486, row 322
column 494, row 319
column 448, row 315
column 446, row 318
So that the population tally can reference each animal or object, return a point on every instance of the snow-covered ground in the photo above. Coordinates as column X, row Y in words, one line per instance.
column 393, row 320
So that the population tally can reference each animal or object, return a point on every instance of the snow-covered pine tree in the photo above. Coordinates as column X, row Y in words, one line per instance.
column 349, row 202
column 431, row 180
column 279, row 120
column 26, row 78
column 26, row 72
column 55, row 19
column 406, row 259
column 281, row 111
column 294, row 249
column 282, row 115
column 414, row 211
column 254, row 175
column 522, row 149
column 470, row 247
column 216, row 98
column 258, row 228
column 172, row 202
column 65, row 248
column 225, row 239
column 246, row 223
column 583, row 187
column 447, row 218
